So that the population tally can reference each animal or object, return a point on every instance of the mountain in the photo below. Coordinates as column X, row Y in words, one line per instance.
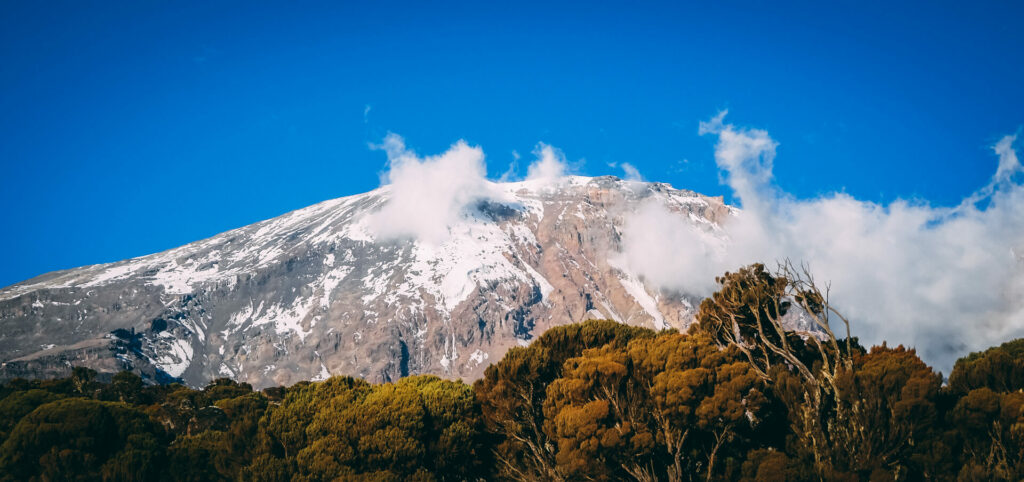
column 315, row 292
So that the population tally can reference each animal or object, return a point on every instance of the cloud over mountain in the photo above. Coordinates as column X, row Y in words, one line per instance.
column 944, row 279
column 428, row 194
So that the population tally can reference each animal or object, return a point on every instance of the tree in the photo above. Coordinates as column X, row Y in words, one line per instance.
column 1000, row 369
column 664, row 408
column 80, row 439
column 748, row 313
column 419, row 427
column 887, row 422
column 987, row 422
column 125, row 387
column 455, row 441
column 513, row 391
column 20, row 403
column 768, row 465
column 990, row 427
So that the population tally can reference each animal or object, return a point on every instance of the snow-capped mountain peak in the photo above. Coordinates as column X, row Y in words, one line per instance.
column 332, row 289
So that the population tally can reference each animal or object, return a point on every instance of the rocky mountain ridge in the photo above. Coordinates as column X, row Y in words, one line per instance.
column 316, row 292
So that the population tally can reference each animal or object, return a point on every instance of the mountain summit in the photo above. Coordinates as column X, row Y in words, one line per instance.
column 320, row 291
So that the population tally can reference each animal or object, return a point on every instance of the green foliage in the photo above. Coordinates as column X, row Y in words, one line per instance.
column 768, row 465
column 739, row 397
column 126, row 387
column 658, row 408
column 513, row 391
column 999, row 368
column 744, row 305
column 81, row 439
column 421, row 426
column 887, row 420
column 20, row 403
column 989, row 427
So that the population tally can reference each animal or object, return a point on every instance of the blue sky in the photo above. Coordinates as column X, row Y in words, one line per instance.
column 128, row 129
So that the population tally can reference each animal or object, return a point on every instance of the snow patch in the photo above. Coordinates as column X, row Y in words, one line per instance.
column 225, row 371
column 637, row 290
column 608, row 309
column 478, row 357
column 323, row 375
column 177, row 356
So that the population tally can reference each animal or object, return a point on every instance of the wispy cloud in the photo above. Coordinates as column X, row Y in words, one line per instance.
column 512, row 172
column 631, row 172
column 1009, row 165
column 550, row 165
column 744, row 156
column 430, row 194
column 946, row 280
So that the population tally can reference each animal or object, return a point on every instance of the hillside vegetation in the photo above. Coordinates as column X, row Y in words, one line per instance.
column 738, row 397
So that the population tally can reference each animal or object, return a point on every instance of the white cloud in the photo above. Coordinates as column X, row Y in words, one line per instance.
column 1008, row 162
column 550, row 165
column 428, row 194
column 745, row 156
column 945, row 280
column 631, row 172
column 669, row 251
column 513, row 168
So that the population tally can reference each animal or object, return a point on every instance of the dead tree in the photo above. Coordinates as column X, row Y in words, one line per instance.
column 751, row 311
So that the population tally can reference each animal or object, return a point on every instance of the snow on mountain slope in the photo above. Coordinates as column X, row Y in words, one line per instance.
column 315, row 292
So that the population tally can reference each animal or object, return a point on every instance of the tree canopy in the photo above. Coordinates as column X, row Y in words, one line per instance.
column 761, row 388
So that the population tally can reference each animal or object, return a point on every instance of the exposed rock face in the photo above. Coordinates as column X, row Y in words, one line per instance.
column 315, row 293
